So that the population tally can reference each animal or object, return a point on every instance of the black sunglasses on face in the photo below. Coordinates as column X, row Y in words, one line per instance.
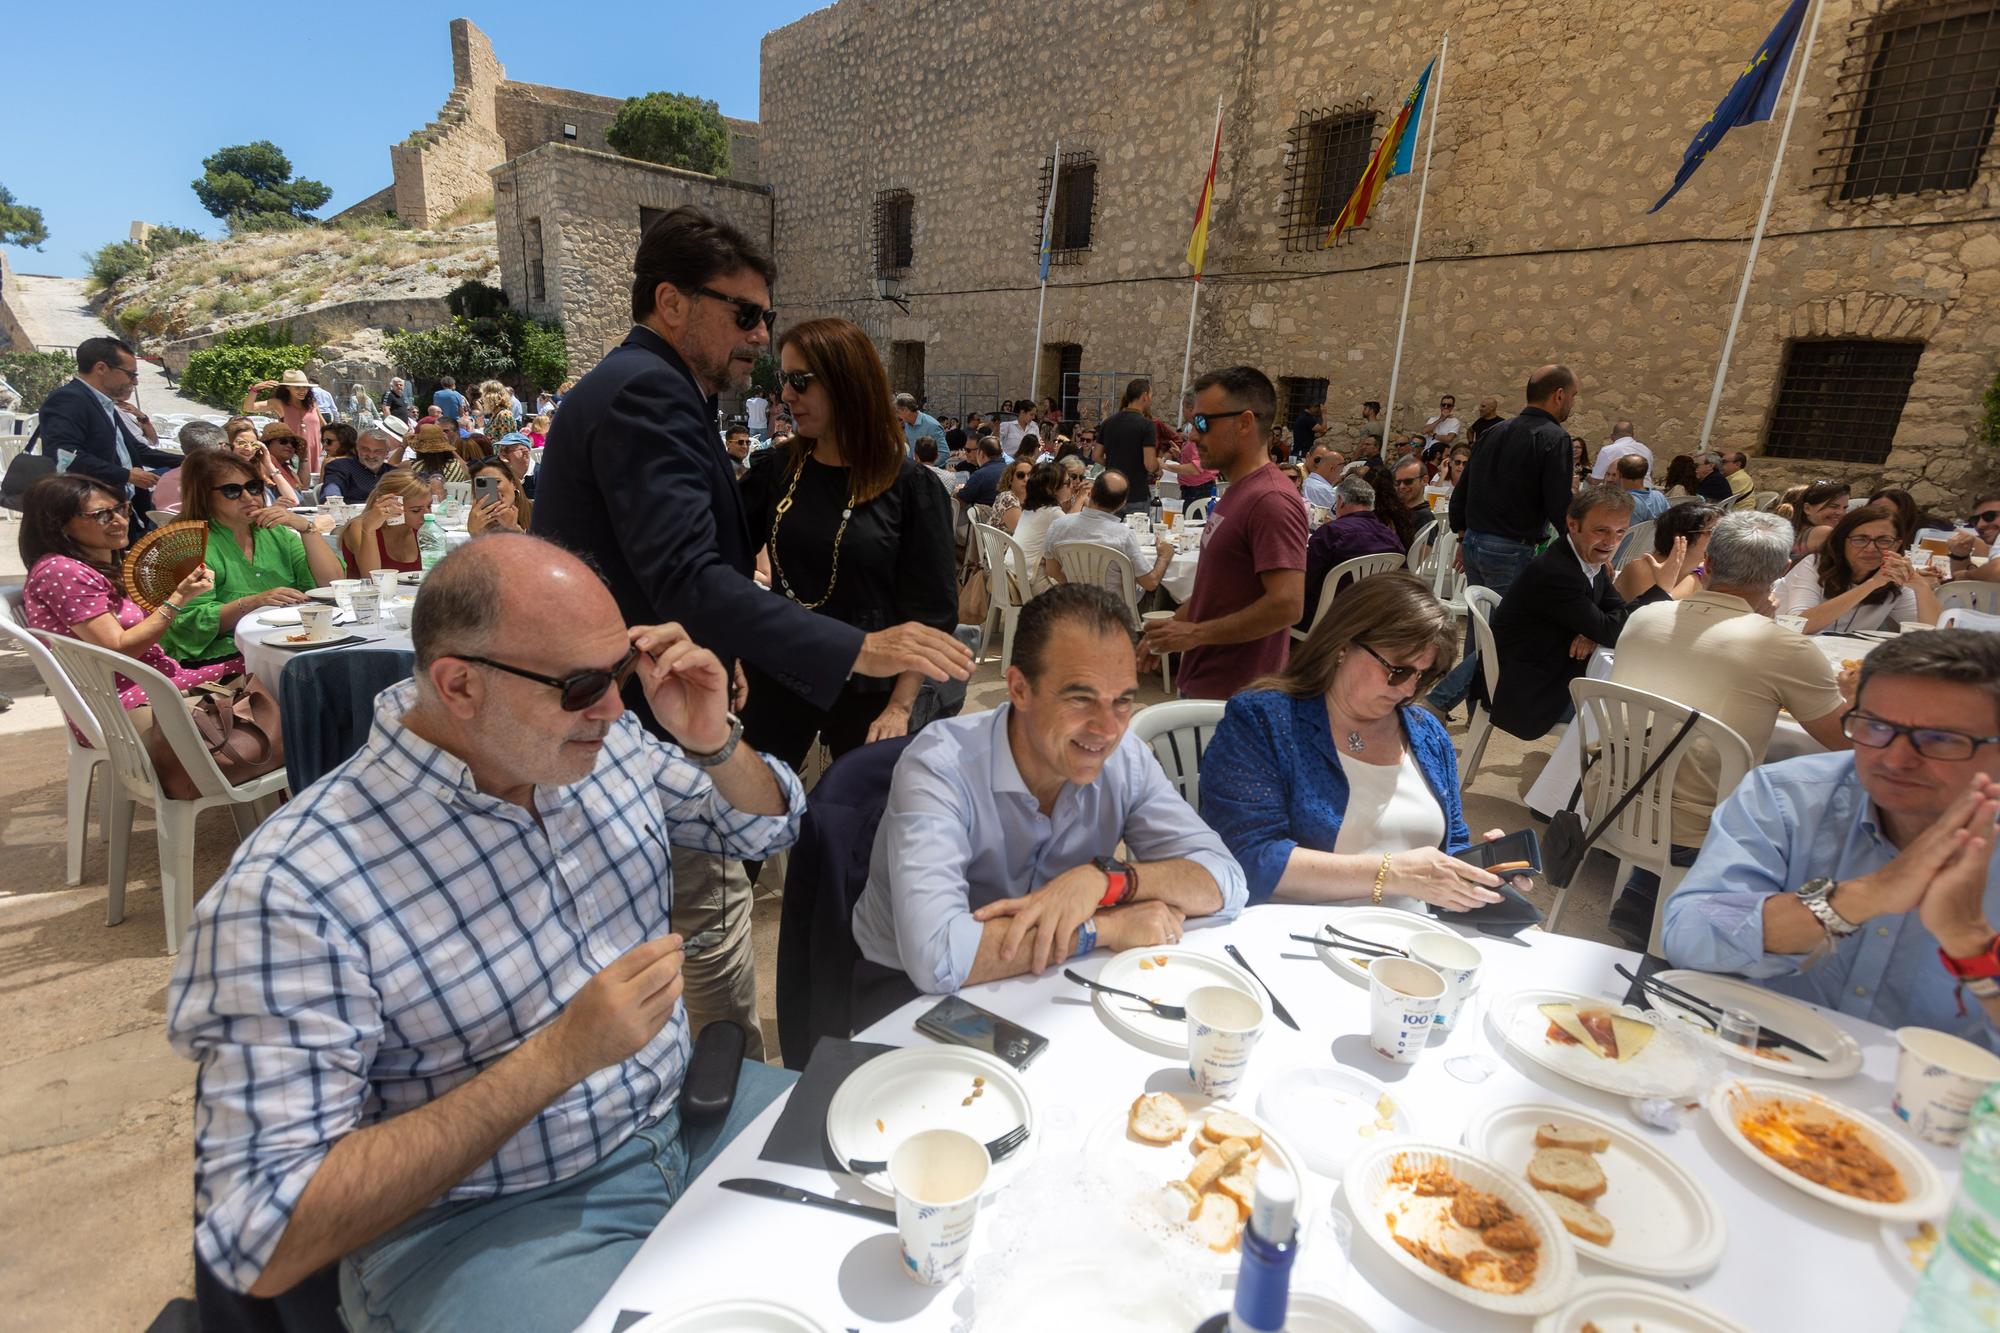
column 1987, row 516
column 104, row 517
column 1394, row 674
column 798, row 381
column 748, row 313
column 1203, row 422
column 231, row 490
column 580, row 689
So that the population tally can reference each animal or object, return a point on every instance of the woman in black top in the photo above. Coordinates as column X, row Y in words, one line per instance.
column 856, row 530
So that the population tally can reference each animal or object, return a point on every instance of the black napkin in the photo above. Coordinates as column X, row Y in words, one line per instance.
column 625, row 1320
column 1649, row 965
column 1508, row 917
column 799, row 1137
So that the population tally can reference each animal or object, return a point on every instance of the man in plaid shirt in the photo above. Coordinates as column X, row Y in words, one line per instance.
column 436, row 999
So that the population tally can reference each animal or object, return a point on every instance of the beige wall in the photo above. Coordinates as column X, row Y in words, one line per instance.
column 1562, row 121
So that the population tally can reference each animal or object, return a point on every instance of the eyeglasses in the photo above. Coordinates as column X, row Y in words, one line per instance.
column 1857, row 541
column 580, row 689
column 798, row 381
column 231, row 490
column 1930, row 742
column 748, row 313
column 104, row 517
column 1204, row 423
column 1987, row 516
column 1394, row 674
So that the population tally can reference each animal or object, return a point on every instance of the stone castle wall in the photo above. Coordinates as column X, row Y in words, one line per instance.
column 14, row 335
column 582, row 207
column 1561, row 122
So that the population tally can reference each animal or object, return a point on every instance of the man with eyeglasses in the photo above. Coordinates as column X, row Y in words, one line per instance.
column 436, row 999
column 635, row 476
column 1867, row 881
column 85, row 428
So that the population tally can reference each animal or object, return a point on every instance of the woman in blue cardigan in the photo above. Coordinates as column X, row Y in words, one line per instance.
column 1327, row 785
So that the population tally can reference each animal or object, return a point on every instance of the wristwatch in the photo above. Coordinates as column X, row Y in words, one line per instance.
column 718, row 757
column 1122, row 881
column 1817, row 895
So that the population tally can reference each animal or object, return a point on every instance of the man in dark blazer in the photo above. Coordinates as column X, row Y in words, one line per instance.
column 1560, row 609
column 635, row 478
column 82, row 419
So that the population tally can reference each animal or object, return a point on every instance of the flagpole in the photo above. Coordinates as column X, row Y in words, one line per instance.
column 1194, row 297
column 1035, row 353
column 1416, row 234
column 1042, row 262
column 1798, row 74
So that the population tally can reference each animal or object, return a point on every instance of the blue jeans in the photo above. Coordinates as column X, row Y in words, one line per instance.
column 541, row 1258
column 1490, row 562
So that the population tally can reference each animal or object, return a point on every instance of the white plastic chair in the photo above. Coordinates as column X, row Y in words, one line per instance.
column 1178, row 733
column 1765, row 501
column 1196, row 511
column 1480, row 604
column 84, row 756
column 1959, row 617
column 1008, row 587
column 95, row 672
column 1638, row 541
column 1970, row 595
column 1448, row 586
column 1422, row 556
column 1360, row 567
column 1631, row 728
column 1099, row 566
column 971, row 518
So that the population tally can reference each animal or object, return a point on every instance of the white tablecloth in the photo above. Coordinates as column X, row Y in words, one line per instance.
column 1792, row 1262
column 266, row 662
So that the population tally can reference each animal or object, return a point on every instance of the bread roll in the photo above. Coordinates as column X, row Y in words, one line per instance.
column 1158, row 1117
column 1580, row 1219
column 1222, row 1125
column 1551, row 1135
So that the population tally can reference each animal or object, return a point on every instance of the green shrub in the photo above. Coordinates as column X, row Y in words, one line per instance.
column 673, row 129
column 1989, row 422
column 248, row 221
column 428, row 355
column 35, row 375
column 161, row 240
column 255, row 180
column 543, row 355
column 475, row 300
column 219, row 375
column 112, row 263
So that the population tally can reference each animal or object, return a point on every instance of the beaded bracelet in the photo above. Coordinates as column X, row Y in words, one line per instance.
column 1380, row 875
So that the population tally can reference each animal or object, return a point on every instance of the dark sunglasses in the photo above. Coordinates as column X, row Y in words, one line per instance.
column 798, row 381
column 104, row 517
column 748, row 313
column 1394, row 674
column 233, row 490
column 1930, row 742
column 1987, row 516
column 580, row 689
column 1204, row 423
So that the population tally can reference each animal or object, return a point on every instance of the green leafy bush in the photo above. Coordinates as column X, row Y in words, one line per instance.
column 500, row 347
column 245, row 222
column 20, row 224
column 543, row 355
column 1989, row 422
column 35, row 375
column 474, row 299
column 674, row 130
column 161, row 240
column 119, row 260
column 220, row 374
column 255, row 179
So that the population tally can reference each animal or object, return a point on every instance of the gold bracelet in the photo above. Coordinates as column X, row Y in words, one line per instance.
column 1380, row 875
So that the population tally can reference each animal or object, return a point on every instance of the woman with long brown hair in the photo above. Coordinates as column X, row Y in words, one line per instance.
column 1328, row 784
column 1820, row 505
column 1858, row 579
column 855, row 529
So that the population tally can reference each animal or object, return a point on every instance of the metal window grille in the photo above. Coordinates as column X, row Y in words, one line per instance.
column 1295, row 394
column 1076, row 206
column 537, row 277
column 1915, row 98
column 895, row 232
column 1326, row 150
column 1839, row 399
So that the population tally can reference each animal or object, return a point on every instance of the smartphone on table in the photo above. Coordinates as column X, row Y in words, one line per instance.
column 957, row 1021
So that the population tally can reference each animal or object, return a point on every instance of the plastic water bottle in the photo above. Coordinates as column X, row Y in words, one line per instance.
column 1264, row 1278
column 1961, row 1288
column 430, row 542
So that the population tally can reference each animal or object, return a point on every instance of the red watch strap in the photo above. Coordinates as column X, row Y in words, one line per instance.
column 1986, row 963
column 1114, row 889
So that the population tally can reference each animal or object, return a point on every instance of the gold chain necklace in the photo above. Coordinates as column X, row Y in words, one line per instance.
column 778, row 568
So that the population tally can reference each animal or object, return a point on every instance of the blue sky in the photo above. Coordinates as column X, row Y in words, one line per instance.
column 178, row 81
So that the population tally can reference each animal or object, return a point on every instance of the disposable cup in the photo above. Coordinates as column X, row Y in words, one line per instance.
column 1454, row 960
column 1223, row 1025
column 316, row 619
column 344, row 590
column 1403, row 995
column 393, row 518
column 1938, row 1078
column 385, row 582
column 366, row 604
column 937, row 1176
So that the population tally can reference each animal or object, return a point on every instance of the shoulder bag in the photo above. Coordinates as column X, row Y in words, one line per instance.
column 1565, row 844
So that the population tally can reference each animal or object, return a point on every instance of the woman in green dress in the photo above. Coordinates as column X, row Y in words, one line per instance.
column 261, row 555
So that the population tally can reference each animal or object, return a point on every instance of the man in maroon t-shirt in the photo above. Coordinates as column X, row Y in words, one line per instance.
column 1249, row 588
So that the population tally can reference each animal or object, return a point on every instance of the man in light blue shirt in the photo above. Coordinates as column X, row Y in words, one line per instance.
column 1322, row 475
column 449, row 402
column 1866, row 882
column 994, row 856
column 918, row 425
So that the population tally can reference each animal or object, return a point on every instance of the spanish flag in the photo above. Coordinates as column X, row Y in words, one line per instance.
column 1197, row 250
column 1393, row 158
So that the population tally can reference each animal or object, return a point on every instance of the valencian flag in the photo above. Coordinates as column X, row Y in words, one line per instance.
column 1049, row 209
column 1753, row 97
column 1393, row 158
column 1197, row 250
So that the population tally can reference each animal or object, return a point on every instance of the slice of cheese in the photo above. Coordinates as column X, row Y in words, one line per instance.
column 1632, row 1034
column 1564, row 1017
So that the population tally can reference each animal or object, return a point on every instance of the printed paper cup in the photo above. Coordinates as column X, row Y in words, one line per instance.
column 1223, row 1027
column 1938, row 1078
column 937, row 1176
column 1403, row 996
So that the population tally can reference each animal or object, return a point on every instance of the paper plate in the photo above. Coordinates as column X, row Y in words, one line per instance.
column 280, row 638
column 1332, row 1113
column 1184, row 972
column 1621, row 1302
column 1926, row 1194
column 1121, row 1156
column 926, row 1087
column 1909, row 1250
column 1310, row 1312
column 1390, row 926
column 1368, row 1188
column 1789, row 1016
column 730, row 1316
column 1670, row 1066
column 1665, row 1224
column 322, row 595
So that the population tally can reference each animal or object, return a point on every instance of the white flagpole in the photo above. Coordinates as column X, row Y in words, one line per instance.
column 1798, row 75
column 1048, row 220
column 1194, row 297
column 1436, row 93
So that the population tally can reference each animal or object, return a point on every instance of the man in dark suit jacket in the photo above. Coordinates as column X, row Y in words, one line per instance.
column 82, row 419
column 635, row 479
column 1559, row 609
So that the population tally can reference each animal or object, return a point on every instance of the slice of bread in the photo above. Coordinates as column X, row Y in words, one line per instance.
column 1222, row 1125
column 1548, row 1134
column 1218, row 1222
column 1158, row 1117
column 1208, row 1169
column 1188, row 1196
column 1233, row 1150
column 1241, row 1185
column 1581, row 1219
column 1567, row 1171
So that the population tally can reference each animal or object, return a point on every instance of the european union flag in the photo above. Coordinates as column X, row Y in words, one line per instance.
column 1752, row 98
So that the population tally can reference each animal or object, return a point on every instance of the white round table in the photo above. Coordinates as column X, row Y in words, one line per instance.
column 262, row 659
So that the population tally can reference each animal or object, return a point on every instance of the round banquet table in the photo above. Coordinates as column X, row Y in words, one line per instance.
column 267, row 663
column 1792, row 1262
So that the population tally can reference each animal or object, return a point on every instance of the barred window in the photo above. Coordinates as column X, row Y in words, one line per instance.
column 1915, row 102
column 895, row 232
column 1076, row 203
column 1840, row 399
column 1326, row 150
column 531, row 242
column 1295, row 394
